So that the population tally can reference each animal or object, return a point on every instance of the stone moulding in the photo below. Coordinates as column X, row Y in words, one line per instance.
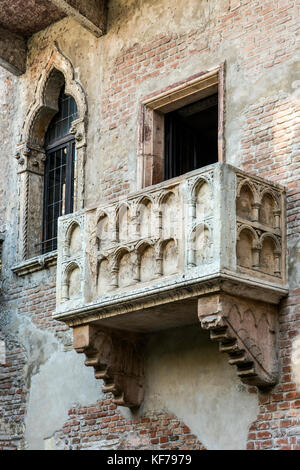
column 153, row 260
column 35, row 264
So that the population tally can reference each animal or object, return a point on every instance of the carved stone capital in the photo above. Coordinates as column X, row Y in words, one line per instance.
column 246, row 331
column 117, row 359
column 79, row 130
column 30, row 159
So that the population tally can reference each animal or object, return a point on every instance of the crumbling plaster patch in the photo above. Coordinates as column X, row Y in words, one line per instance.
column 63, row 381
column 39, row 344
column 128, row 18
column 56, row 380
column 8, row 200
column 296, row 361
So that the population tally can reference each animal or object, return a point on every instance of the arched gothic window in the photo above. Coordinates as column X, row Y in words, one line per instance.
column 60, row 177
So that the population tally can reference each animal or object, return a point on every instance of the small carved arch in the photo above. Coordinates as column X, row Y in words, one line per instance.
column 120, row 251
column 251, row 186
column 249, row 313
column 272, row 194
column 144, row 243
column 147, row 261
column 251, row 229
column 200, row 244
column 266, row 323
column 144, row 199
column 72, row 281
column 104, row 278
column 246, row 199
column 269, row 205
column 73, row 238
column 270, row 255
column 126, row 268
column 145, row 215
column 235, row 315
column 168, row 250
column 169, row 214
column 102, row 231
column 197, row 184
column 202, row 197
column 247, row 240
column 165, row 195
column 123, row 219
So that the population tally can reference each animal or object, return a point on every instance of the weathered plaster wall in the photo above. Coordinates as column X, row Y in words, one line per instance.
column 149, row 46
column 186, row 375
column 62, row 382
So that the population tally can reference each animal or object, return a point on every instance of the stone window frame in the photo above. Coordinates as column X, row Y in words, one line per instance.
column 150, row 163
column 31, row 155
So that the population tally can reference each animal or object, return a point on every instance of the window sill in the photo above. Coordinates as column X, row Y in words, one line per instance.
column 35, row 264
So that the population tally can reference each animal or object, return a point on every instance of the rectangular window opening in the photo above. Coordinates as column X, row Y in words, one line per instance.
column 182, row 128
column 191, row 137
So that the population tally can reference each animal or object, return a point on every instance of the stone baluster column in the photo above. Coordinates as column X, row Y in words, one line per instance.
column 256, row 255
column 277, row 214
column 65, row 291
column 255, row 211
column 277, row 257
column 158, row 261
column 136, row 263
column 158, row 223
column 114, row 276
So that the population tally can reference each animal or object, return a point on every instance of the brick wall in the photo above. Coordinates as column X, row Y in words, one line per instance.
column 266, row 34
column 36, row 302
column 103, row 427
column 13, row 394
column 278, row 422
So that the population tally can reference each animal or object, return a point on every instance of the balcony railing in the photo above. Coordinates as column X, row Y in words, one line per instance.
column 127, row 263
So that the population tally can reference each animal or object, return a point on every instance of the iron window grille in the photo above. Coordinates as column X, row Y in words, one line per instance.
column 59, row 179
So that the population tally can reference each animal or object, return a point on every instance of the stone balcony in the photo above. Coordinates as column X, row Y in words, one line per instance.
column 208, row 247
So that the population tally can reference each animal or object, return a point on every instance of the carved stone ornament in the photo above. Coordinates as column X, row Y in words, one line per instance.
column 117, row 359
column 209, row 244
column 30, row 154
column 246, row 331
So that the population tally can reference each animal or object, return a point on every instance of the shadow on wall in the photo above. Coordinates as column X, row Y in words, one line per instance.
column 188, row 376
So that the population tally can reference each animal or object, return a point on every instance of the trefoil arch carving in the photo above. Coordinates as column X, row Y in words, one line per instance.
column 58, row 71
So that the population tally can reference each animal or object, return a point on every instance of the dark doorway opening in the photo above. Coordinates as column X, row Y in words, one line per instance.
column 191, row 137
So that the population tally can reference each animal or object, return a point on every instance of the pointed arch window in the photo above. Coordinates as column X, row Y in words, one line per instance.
column 60, row 177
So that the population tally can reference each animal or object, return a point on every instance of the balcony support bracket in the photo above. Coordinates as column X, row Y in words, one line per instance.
column 117, row 359
column 246, row 330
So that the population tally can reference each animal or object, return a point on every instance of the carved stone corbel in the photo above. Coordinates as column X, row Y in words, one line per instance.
column 246, row 331
column 117, row 359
